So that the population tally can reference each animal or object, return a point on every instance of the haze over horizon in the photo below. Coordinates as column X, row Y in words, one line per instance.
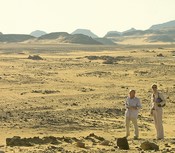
column 23, row 17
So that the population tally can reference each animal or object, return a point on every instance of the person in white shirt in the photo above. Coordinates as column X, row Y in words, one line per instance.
column 158, row 101
column 132, row 105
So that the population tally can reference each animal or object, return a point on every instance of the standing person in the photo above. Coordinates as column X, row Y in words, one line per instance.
column 158, row 101
column 132, row 106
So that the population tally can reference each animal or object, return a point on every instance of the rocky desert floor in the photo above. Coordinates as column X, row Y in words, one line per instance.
column 73, row 100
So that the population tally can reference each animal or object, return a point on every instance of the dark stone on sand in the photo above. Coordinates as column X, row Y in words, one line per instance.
column 45, row 91
column 35, row 140
column 160, row 55
column 122, row 143
column 105, row 143
column 17, row 141
column 95, row 136
column 80, row 144
column 67, row 139
column 35, row 57
column 108, row 62
column 51, row 139
column 149, row 146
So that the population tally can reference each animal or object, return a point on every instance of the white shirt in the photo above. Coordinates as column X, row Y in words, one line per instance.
column 133, row 113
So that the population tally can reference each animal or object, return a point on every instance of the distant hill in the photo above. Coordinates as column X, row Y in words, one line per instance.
column 130, row 30
column 164, row 33
column 85, row 32
column 64, row 37
column 113, row 34
column 83, row 39
column 54, row 35
column 161, row 38
column 105, row 41
column 38, row 33
column 159, row 33
column 134, row 32
column 169, row 24
column 15, row 37
column 118, row 34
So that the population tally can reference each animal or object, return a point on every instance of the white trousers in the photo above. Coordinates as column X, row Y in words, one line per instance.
column 127, row 125
column 157, row 115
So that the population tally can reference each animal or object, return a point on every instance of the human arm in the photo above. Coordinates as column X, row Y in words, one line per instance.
column 126, row 104
column 162, row 102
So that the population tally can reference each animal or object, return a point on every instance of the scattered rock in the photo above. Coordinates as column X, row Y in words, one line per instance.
column 50, row 140
column 36, row 91
column 22, row 93
column 45, row 91
column 86, row 89
column 142, row 73
column 160, row 55
column 74, row 104
column 50, row 91
column 21, row 53
column 17, row 141
column 149, row 146
column 80, row 144
column 112, row 149
column 105, row 143
column 67, row 139
column 95, row 74
column 96, row 137
column 167, row 145
column 122, row 143
column 35, row 57
column 108, row 61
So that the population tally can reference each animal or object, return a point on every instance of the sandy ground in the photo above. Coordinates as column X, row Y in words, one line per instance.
column 69, row 95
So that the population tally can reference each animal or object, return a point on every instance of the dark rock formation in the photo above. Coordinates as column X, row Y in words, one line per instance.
column 35, row 57
column 122, row 143
column 149, row 146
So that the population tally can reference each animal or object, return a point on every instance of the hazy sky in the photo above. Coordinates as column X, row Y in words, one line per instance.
column 100, row 16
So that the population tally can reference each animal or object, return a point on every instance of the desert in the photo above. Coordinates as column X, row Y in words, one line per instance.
column 72, row 98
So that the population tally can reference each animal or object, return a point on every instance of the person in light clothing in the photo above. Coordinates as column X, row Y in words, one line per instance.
column 132, row 105
column 158, row 101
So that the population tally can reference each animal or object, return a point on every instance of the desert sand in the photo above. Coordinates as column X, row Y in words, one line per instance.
column 72, row 94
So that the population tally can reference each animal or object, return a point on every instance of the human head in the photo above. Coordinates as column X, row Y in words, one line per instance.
column 154, row 87
column 132, row 93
